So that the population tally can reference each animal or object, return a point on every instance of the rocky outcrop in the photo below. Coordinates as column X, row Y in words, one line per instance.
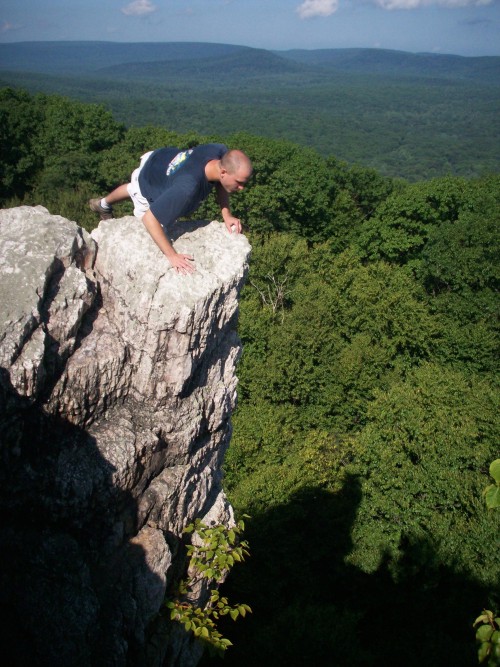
column 117, row 383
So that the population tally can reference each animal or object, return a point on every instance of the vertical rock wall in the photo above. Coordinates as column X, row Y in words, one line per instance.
column 117, row 383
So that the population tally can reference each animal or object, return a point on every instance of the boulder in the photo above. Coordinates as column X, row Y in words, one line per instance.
column 117, row 384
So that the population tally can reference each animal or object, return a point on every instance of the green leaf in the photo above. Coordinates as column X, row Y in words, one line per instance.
column 485, row 617
column 234, row 613
column 483, row 652
column 495, row 470
column 480, row 619
column 492, row 495
column 484, row 633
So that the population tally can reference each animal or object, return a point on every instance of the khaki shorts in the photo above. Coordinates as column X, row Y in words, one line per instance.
column 141, row 204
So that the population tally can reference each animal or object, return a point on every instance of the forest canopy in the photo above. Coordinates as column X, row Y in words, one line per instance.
column 413, row 116
column 368, row 385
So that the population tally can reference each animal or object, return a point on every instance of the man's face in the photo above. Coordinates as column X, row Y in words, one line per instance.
column 233, row 182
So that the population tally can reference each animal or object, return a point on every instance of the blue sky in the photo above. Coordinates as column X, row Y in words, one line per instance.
column 464, row 27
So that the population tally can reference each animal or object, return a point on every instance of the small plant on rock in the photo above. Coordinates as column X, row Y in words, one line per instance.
column 488, row 636
column 213, row 552
column 488, row 632
column 492, row 492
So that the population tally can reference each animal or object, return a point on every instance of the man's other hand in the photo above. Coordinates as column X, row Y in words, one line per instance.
column 233, row 225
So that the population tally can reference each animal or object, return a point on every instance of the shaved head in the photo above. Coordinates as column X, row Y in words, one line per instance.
column 236, row 161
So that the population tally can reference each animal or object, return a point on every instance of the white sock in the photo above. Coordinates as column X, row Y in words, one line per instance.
column 104, row 203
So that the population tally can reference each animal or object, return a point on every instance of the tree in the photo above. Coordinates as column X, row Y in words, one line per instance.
column 402, row 224
column 291, row 189
column 421, row 456
column 461, row 252
column 20, row 155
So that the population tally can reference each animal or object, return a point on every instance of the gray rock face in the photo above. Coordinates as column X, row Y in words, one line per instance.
column 117, row 383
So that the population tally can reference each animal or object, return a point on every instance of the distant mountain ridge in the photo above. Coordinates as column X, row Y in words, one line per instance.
column 89, row 57
column 383, row 61
column 191, row 59
column 232, row 65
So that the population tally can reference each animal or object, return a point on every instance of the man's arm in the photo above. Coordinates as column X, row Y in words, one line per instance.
column 181, row 263
column 232, row 224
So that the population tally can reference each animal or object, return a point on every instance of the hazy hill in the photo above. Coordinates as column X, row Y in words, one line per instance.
column 193, row 58
column 231, row 65
column 88, row 57
column 401, row 63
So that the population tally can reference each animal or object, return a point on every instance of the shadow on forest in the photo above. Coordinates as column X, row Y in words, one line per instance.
column 310, row 607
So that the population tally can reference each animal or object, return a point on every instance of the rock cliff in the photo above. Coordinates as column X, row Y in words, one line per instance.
column 117, row 383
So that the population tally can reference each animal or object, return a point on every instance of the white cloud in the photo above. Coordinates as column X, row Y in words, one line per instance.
column 139, row 8
column 310, row 8
column 415, row 4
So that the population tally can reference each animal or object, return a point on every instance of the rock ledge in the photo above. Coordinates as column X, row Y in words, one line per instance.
column 117, row 384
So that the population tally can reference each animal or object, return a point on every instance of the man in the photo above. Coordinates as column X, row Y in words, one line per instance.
column 169, row 184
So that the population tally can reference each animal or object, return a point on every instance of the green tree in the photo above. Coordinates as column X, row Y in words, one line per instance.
column 291, row 189
column 346, row 329
column 360, row 191
column 461, row 252
column 73, row 126
column 420, row 458
column 20, row 155
column 403, row 222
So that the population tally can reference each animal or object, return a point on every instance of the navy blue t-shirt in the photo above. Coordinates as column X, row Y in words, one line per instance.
column 174, row 181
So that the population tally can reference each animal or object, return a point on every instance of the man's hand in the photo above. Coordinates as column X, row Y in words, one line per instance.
column 232, row 224
column 182, row 263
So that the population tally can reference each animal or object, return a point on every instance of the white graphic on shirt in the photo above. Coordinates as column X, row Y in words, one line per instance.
column 178, row 161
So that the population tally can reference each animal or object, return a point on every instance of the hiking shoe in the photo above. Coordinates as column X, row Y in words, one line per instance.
column 104, row 213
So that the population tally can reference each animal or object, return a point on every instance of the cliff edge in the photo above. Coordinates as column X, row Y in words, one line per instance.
column 117, row 383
